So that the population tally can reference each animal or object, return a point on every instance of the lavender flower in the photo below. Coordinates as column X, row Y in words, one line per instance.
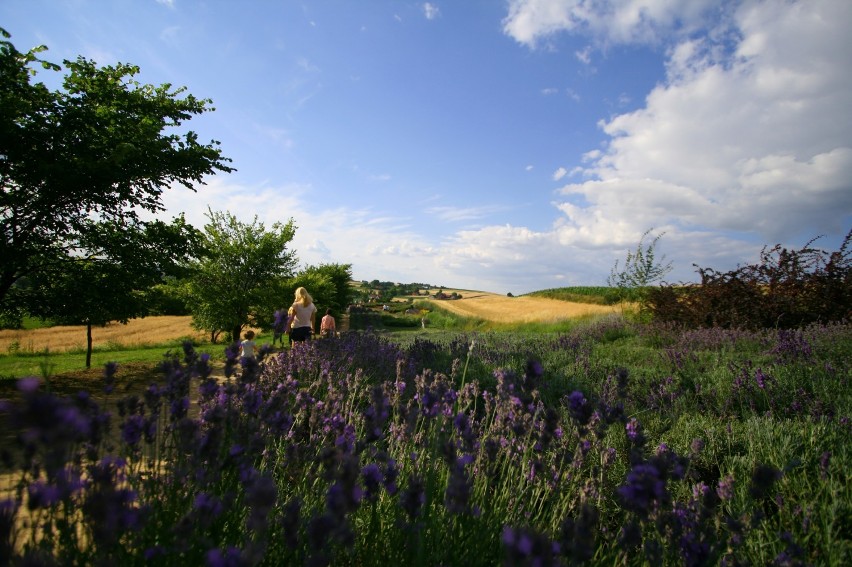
column 579, row 409
column 110, row 369
column 578, row 534
column 42, row 495
column 824, row 462
column 762, row 480
column 260, row 496
column 413, row 497
column 230, row 557
column 792, row 554
column 209, row 506
column 725, row 489
column 524, row 546
column 645, row 489
column 634, row 432
column 459, row 488
column 372, row 476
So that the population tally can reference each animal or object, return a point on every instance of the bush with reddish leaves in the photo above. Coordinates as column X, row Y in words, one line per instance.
column 785, row 289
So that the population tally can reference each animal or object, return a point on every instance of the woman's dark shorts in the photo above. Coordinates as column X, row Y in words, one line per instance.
column 300, row 334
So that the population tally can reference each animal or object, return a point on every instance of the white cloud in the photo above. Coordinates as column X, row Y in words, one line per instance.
column 431, row 11
column 584, row 56
column 170, row 34
column 167, row 3
column 608, row 21
column 760, row 142
column 745, row 143
column 457, row 214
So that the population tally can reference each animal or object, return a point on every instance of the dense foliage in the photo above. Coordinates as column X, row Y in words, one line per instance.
column 329, row 285
column 91, row 155
column 610, row 444
column 243, row 274
column 786, row 289
column 114, row 281
column 589, row 294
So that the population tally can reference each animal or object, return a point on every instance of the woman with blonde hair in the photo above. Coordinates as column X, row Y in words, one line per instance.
column 304, row 317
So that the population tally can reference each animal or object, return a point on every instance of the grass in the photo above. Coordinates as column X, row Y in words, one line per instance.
column 144, row 331
column 37, row 364
column 61, row 350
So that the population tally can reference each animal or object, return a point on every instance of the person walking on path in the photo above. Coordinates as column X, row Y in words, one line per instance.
column 247, row 345
column 328, row 327
column 305, row 316
column 280, row 323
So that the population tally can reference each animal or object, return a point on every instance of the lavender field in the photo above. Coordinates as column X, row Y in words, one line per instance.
column 613, row 443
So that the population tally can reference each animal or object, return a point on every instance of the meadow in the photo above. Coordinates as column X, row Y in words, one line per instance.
column 611, row 442
column 62, row 338
column 49, row 350
column 523, row 309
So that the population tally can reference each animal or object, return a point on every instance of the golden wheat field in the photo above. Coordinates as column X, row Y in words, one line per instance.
column 503, row 309
column 137, row 332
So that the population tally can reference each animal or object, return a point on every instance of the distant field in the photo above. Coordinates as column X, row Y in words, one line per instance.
column 524, row 309
column 158, row 330
column 138, row 332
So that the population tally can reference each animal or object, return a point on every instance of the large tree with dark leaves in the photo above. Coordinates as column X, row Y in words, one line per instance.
column 113, row 280
column 95, row 151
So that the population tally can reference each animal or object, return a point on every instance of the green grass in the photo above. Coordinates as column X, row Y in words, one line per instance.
column 20, row 364
column 35, row 323
column 598, row 295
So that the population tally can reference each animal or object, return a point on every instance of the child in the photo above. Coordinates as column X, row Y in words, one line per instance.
column 247, row 346
column 327, row 325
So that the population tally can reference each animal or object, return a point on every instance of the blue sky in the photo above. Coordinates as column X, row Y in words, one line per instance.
column 499, row 146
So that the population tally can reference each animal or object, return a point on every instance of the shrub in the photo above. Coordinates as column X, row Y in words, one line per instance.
column 785, row 289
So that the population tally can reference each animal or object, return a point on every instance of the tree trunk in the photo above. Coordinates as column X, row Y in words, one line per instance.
column 88, row 344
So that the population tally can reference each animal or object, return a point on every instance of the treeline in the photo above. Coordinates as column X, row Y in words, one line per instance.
column 385, row 291
column 598, row 295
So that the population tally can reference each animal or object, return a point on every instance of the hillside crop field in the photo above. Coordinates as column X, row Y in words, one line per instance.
column 524, row 309
column 137, row 332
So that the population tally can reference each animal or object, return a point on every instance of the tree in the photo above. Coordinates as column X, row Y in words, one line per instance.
column 94, row 151
column 112, row 277
column 641, row 268
column 339, row 276
column 246, row 267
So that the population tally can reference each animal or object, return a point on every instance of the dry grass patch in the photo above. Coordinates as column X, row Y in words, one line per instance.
column 137, row 332
column 503, row 309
